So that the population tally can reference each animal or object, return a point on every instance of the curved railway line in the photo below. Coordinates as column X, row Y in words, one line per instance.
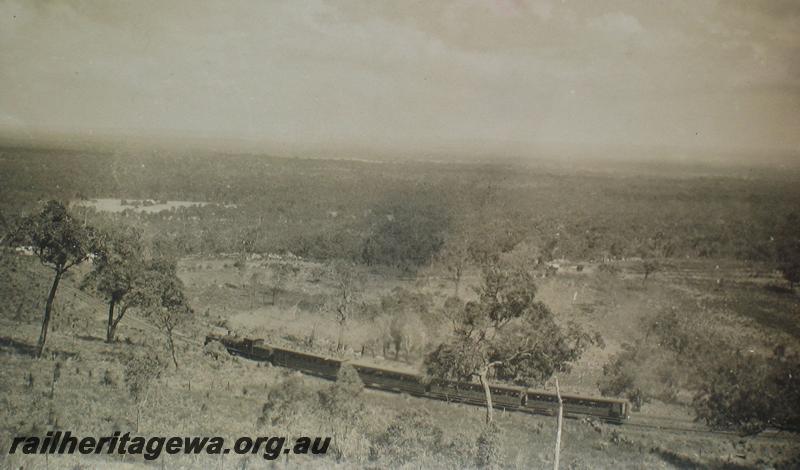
column 508, row 398
column 504, row 397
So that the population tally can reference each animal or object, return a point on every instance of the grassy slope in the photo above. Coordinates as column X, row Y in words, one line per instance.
column 207, row 397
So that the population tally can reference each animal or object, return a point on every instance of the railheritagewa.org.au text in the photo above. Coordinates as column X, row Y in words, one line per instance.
column 64, row 442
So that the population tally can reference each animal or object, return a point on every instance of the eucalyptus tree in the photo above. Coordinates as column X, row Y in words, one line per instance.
column 117, row 275
column 163, row 299
column 506, row 334
column 61, row 243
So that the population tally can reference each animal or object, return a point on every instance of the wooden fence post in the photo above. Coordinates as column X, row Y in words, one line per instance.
column 558, row 429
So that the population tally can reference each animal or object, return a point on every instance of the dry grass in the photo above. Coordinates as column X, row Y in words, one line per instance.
column 212, row 397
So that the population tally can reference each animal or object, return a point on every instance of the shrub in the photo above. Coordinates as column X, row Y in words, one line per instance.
column 640, row 373
column 748, row 393
column 412, row 436
column 490, row 448
column 344, row 406
column 288, row 403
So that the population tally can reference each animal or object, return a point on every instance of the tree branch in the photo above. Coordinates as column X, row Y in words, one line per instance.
column 493, row 364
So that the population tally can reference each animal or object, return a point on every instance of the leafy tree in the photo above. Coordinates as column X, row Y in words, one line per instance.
column 246, row 241
column 493, row 237
column 140, row 373
column 60, row 243
column 343, row 398
column 163, row 246
column 748, row 393
column 506, row 333
column 163, row 300
column 405, row 329
column 288, row 404
column 344, row 403
column 5, row 227
column 406, row 232
column 412, row 436
column 641, row 372
column 788, row 250
column 117, row 275
column 791, row 271
column 490, row 448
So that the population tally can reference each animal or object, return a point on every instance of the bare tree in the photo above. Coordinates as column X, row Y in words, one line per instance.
column 348, row 283
column 455, row 256
column 255, row 286
column 404, row 328
column 281, row 273
column 653, row 251
column 649, row 267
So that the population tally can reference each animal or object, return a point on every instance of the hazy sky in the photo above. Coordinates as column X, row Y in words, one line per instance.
column 408, row 75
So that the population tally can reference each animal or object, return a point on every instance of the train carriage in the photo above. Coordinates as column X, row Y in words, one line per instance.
column 503, row 397
column 609, row 409
column 458, row 392
column 507, row 397
column 390, row 380
column 308, row 363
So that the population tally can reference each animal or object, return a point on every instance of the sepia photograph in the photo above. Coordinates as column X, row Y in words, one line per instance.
column 399, row 234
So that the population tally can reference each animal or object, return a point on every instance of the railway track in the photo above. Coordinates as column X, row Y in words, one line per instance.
column 658, row 424
column 644, row 423
column 509, row 397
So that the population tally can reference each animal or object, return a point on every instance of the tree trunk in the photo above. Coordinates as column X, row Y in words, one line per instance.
column 489, row 407
column 110, row 327
column 172, row 349
column 558, row 429
column 116, row 321
column 48, row 309
column 340, row 339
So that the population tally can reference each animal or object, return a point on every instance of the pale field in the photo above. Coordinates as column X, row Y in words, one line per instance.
column 137, row 205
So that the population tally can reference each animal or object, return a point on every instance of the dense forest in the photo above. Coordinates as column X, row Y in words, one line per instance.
column 403, row 213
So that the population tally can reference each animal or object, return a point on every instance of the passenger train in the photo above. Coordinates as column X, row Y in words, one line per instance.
column 507, row 397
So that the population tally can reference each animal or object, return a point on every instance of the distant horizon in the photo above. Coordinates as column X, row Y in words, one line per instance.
column 559, row 153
